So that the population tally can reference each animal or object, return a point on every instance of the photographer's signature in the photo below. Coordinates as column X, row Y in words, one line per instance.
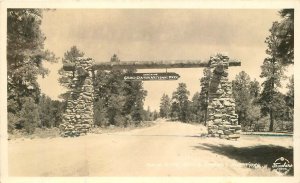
column 282, row 165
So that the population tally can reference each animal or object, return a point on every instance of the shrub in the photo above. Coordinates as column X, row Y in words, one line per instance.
column 262, row 124
column 29, row 115
column 120, row 120
column 13, row 119
column 283, row 126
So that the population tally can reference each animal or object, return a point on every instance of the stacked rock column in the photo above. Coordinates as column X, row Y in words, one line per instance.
column 222, row 119
column 79, row 115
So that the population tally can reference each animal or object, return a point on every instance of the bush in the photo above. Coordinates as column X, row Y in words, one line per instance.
column 120, row 121
column 100, row 119
column 128, row 120
column 29, row 115
column 262, row 124
column 283, row 126
column 252, row 118
column 13, row 119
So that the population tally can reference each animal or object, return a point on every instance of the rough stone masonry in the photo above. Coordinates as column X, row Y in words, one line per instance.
column 79, row 115
column 222, row 119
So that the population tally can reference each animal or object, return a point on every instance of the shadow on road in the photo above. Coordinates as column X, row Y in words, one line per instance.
column 265, row 155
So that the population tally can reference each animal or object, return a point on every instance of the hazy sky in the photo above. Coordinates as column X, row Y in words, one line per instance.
column 146, row 34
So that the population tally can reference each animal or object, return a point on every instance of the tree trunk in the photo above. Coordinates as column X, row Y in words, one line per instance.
column 272, row 96
column 206, row 108
column 271, row 120
column 205, row 117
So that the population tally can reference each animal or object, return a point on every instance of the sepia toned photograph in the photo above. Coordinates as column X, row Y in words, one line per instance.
column 147, row 92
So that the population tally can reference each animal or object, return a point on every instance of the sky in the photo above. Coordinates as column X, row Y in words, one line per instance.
column 159, row 34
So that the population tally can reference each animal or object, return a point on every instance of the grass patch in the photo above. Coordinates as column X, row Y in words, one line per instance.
column 261, row 171
column 38, row 133
column 54, row 132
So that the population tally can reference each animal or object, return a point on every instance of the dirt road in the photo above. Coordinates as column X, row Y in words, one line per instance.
column 165, row 149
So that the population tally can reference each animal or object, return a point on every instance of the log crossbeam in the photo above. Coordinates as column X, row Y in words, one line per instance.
column 160, row 64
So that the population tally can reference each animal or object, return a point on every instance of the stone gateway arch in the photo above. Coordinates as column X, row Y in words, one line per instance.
column 222, row 121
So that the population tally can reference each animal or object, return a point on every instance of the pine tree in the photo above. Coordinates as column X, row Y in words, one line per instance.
column 281, row 53
column 25, row 53
column 285, row 37
column 175, row 110
column 180, row 98
column 242, row 96
column 45, row 108
column 57, row 108
column 195, row 108
column 122, row 101
column 165, row 106
column 246, row 94
column 203, row 98
column 155, row 115
column 115, row 98
column 147, row 115
column 273, row 72
column 25, row 57
column 66, row 77
column 50, row 112
column 254, row 90
column 135, row 96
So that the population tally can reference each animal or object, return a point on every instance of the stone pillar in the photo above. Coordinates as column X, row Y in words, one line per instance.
column 222, row 119
column 79, row 114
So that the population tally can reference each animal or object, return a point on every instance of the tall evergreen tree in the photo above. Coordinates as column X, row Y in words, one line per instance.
column 135, row 96
column 242, row 95
column 50, row 111
column 115, row 99
column 147, row 115
column 25, row 55
column 195, row 108
column 57, row 112
column 65, row 78
column 204, row 83
column 123, row 100
column 165, row 106
column 45, row 108
column 155, row 115
column 180, row 98
column 285, row 37
column 273, row 72
column 174, row 110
